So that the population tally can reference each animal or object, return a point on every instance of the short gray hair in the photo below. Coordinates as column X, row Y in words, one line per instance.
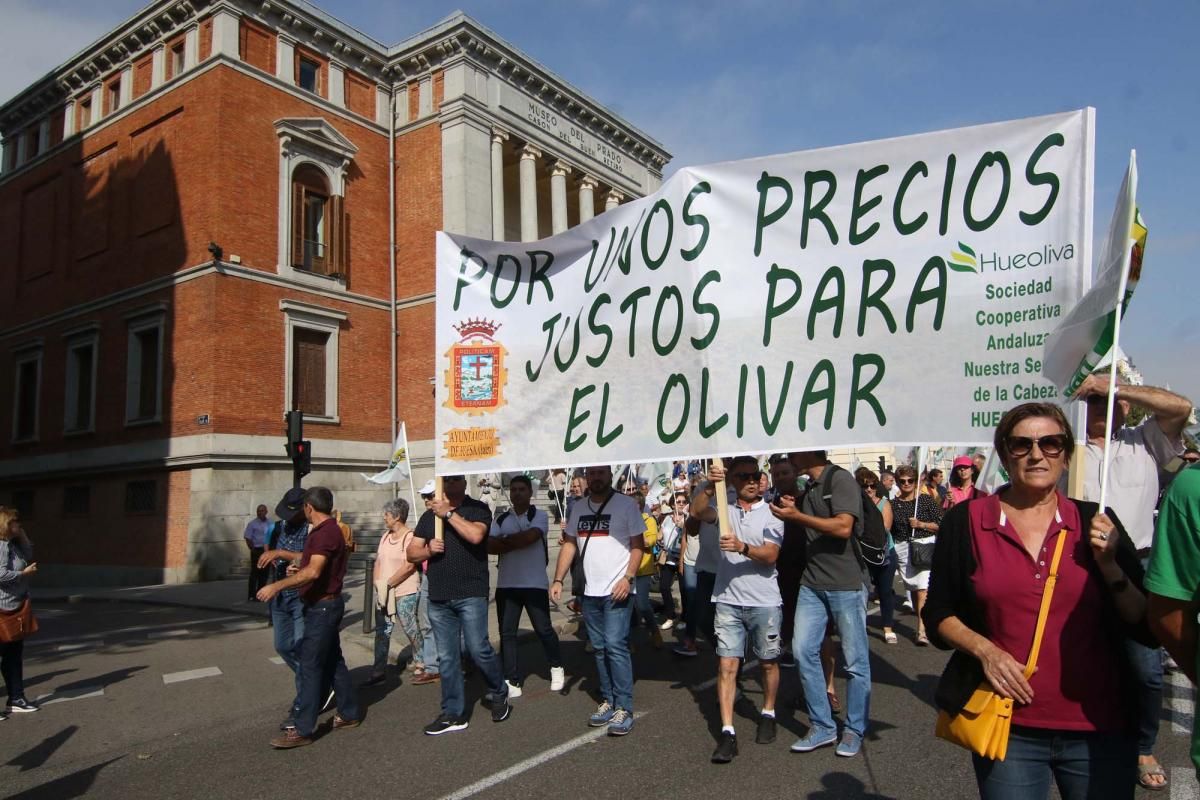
column 397, row 507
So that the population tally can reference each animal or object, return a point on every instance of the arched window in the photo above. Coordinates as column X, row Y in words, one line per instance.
column 317, row 226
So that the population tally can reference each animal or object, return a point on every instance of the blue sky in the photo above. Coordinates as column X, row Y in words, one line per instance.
column 726, row 79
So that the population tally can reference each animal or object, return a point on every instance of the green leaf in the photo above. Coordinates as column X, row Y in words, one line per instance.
column 962, row 268
column 966, row 249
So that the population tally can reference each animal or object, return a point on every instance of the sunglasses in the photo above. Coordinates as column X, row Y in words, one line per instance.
column 745, row 476
column 1192, row 460
column 905, row 481
column 1052, row 446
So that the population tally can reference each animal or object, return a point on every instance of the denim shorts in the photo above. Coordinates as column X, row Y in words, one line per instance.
column 761, row 622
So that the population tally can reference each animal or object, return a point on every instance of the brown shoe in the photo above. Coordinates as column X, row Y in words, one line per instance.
column 289, row 740
column 424, row 678
column 339, row 723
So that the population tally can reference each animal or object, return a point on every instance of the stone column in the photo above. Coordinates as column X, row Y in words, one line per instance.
column 97, row 104
column 558, row 196
column 498, row 139
column 225, row 33
column 402, row 106
column 425, row 97
column 529, row 209
column 68, row 122
column 612, row 199
column 337, row 84
column 383, row 104
column 158, row 66
column 191, row 47
column 22, row 148
column 126, row 86
column 43, row 134
column 285, row 58
column 587, row 198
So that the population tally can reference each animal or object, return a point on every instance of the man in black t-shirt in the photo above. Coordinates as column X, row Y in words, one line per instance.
column 458, row 599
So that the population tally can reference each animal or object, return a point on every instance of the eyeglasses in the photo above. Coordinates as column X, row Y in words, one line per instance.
column 1052, row 446
column 905, row 481
column 426, row 497
column 964, row 466
column 745, row 476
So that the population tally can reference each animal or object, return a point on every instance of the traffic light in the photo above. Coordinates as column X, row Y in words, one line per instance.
column 299, row 449
column 301, row 458
column 295, row 430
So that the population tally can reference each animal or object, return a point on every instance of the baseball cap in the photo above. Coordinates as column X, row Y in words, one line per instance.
column 964, row 461
column 429, row 488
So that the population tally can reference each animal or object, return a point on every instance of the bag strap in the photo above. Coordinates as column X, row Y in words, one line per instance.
column 1044, row 612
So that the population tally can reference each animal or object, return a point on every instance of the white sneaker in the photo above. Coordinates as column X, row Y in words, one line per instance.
column 514, row 691
column 667, row 624
column 558, row 679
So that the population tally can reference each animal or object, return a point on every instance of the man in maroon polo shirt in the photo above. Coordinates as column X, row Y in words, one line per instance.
column 319, row 578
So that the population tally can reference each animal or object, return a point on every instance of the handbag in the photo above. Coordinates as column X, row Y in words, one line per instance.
column 16, row 625
column 920, row 553
column 984, row 723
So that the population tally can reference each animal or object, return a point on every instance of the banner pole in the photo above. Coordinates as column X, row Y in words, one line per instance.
column 722, row 506
column 412, row 492
column 438, row 522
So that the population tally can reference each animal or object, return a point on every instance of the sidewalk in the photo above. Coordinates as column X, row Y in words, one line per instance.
column 230, row 597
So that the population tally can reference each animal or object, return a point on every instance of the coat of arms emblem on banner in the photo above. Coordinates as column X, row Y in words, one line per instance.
column 477, row 375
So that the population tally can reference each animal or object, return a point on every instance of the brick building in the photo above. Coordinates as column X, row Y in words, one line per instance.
column 224, row 209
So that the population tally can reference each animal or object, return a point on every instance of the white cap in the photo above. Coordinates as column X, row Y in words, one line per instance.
column 429, row 488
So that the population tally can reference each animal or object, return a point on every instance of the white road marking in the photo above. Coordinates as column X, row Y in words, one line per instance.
column 81, row 693
column 191, row 674
column 531, row 763
column 277, row 660
column 711, row 682
column 134, row 629
column 1179, row 697
column 67, row 648
column 1183, row 784
column 173, row 633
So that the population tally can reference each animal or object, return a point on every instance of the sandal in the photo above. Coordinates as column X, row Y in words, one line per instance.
column 889, row 637
column 1146, row 771
column 922, row 640
column 835, row 705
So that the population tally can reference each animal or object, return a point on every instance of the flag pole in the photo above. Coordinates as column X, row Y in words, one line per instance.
column 438, row 522
column 412, row 493
column 1122, row 285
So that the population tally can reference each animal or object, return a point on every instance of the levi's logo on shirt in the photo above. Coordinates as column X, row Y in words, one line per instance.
column 595, row 525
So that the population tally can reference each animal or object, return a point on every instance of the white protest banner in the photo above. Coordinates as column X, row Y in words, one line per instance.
column 1087, row 334
column 886, row 292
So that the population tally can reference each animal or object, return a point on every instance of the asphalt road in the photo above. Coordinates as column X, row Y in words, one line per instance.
column 152, row 702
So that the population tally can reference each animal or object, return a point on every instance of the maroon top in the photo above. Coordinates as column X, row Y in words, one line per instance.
column 325, row 540
column 1077, row 680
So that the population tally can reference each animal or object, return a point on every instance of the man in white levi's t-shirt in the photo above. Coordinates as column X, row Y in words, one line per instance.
column 605, row 529
column 518, row 536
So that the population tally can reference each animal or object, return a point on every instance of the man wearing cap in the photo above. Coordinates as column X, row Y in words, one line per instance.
column 319, row 579
column 428, row 671
column 285, row 546
column 458, row 580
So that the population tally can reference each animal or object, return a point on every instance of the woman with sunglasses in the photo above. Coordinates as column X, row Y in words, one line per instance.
column 1072, row 719
column 916, row 517
column 962, row 482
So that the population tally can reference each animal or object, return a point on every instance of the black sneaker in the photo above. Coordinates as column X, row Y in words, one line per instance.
column 726, row 748
column 445, row 724
column 21, row 706
column 501, row 709
column 766, row 730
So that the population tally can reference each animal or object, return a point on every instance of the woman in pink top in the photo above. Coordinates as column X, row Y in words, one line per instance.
column 962, row 482
column 1073, row 721
column 397, row 583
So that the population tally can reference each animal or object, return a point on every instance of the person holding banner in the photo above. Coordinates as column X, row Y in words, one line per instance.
column 611, row 527
column 1137, row 461
column 1060, row 659
column 748, row 603
column 458, row 599
column 916, row 517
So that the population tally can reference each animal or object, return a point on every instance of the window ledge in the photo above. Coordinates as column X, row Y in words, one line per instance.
column 70, row 434
column 334, row 420
column 26, row 440
column 311, row 279
column 139, row 423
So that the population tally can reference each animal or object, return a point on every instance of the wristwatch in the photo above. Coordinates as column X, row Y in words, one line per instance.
column 449, row 514
column 745, row 550
column 630, row 579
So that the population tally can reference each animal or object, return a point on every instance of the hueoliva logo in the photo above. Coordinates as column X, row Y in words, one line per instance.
column 963, row 259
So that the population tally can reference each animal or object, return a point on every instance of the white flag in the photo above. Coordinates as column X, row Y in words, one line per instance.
column 398, row 468
column 1085, row 336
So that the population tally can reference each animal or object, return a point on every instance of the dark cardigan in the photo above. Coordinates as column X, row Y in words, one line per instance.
column 952, row 594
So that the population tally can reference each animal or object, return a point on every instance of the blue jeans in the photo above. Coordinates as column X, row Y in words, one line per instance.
column 466, row 618
column 429, row 651
column 1085, row 766
column 700, row 607
column 608, row 631
column 815, row 609
column 687, row 589
column 406, row 616
column 287, row 619
column 882, row 578
column 322, row 666
column 735, row 624
column 642, row 608
column 1148, row 670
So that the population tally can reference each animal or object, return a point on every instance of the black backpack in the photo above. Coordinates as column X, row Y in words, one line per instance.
column 872, row 542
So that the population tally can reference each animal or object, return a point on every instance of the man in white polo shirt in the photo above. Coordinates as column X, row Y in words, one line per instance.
column 610, row 526
column 519, row 537
column 747, row 600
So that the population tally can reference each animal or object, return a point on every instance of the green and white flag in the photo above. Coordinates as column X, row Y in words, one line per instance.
column 1088, row 333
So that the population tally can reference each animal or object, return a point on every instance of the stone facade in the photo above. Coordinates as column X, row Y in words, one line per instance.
column 161, row 278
